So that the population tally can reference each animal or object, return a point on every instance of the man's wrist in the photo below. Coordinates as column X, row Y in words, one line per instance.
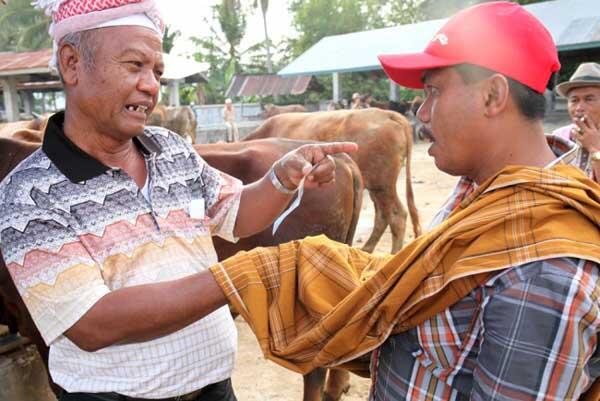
column 276, row 182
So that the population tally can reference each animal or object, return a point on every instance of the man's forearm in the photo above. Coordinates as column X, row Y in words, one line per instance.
column 145, row 312
column 260, row 204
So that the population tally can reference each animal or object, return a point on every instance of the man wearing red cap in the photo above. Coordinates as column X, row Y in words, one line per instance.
column 501, row 299
column 105, row 228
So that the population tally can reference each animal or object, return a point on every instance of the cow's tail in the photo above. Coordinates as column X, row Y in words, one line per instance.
column 410, row 196
column 357, row 192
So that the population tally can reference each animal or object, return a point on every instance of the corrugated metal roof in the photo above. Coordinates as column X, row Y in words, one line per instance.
column 22, row 63
column 13, row 63
column 264, row 85
column 572, row 23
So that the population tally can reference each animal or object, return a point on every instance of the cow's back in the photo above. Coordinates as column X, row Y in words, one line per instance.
column 381, row 136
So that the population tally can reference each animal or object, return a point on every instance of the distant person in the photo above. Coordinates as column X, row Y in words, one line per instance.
column 229, row 119
column 582, row 91
column 356, row 101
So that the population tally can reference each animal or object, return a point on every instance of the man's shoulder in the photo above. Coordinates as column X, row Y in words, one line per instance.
column 35, row 171
column 561, row 272
column 167, row 140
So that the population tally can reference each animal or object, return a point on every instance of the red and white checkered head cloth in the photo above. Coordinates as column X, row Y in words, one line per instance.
column 69, row 16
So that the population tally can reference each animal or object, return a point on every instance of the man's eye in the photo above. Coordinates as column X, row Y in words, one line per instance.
column 137, row 64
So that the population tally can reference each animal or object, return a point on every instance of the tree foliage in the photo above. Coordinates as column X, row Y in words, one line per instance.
column 22, row 27
column 222, row 48
column 169, row 38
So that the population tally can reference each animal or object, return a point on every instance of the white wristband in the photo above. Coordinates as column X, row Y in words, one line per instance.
column 278, row 185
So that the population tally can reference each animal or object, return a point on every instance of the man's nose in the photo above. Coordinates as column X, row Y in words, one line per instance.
column 149, row 83
column 423, row 114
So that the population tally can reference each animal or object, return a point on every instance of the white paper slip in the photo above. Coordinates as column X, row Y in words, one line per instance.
column 197, row 208
column 291, row 208
column 296, row 201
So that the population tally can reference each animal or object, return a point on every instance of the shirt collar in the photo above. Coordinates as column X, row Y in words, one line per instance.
column 72, row 161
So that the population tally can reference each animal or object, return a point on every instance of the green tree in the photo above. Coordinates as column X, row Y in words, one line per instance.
column 221, row 49
column 169, row 38
column 264, row 7
column 22, row 27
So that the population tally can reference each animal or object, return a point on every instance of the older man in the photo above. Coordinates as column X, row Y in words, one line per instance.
column 229, row 120
column 582, row 91
column 500, row 300
column 105, row 229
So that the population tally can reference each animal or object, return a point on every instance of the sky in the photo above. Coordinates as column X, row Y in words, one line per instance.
column 188, row 17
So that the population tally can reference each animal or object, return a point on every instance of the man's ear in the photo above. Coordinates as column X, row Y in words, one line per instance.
column 69, row 64
column 496, row 94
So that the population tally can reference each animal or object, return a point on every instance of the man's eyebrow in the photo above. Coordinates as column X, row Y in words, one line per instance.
column 131, row 50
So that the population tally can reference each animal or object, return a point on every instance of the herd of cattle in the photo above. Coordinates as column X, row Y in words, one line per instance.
column 385, row 144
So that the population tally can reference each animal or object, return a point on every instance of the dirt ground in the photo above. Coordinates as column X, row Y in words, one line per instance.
column 256, row 379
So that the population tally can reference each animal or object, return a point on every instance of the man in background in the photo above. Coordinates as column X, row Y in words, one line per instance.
column 582, row 92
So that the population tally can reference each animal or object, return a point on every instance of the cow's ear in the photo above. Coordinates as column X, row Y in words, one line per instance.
column 496, row 94
column 69, row 61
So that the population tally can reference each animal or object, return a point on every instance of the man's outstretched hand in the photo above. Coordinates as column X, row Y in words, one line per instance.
column 312, row 161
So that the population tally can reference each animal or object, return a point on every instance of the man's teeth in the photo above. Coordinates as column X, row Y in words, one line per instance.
column 141, row 109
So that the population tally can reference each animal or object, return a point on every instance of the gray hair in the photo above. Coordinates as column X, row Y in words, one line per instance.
column 85, row 44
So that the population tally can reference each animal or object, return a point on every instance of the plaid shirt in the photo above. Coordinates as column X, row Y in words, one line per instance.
column 529, row 333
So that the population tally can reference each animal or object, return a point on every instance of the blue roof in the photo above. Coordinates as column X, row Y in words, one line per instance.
column 573, row 24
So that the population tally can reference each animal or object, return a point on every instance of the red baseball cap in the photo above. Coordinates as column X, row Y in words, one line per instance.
column 500, row 36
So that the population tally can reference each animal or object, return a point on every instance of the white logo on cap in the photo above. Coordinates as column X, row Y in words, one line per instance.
column 442, row 38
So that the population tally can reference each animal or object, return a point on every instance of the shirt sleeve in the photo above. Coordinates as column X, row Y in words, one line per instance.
column 539, row 337
column 55, row 275
column 222, row 194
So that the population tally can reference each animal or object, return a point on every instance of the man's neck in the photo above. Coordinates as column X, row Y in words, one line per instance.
column 522, row 143
column 110, row 151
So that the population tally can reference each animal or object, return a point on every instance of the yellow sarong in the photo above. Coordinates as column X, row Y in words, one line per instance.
column 315, row 302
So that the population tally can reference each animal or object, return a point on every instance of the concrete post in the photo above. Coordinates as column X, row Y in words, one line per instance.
column 174, row 93
column 393, row 91
column 28, row 102
column 11, row 99
column 336, row 86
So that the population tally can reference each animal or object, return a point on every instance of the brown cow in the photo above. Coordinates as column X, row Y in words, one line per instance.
column 333, row 211
column 38, row 124
column 384, row 141
column 180, row 120
column 270, row 110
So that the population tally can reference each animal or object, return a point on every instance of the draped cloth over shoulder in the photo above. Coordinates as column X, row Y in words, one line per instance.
column 315, row 302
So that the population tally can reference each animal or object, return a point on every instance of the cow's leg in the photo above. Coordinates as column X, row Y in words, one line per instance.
column 338, row 383
column 380, row 221
column 395, row 214
column 313, row 384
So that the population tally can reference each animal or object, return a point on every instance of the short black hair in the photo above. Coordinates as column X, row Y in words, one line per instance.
column 530, row 103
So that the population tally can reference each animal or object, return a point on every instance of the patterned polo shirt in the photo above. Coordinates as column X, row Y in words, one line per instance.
column 73, row 229
column 529, row 333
